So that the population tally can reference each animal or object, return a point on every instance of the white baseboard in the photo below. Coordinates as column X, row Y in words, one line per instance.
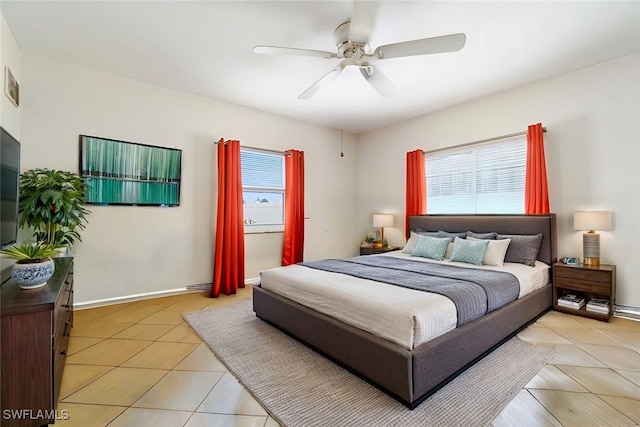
column 129, row 298
column 628, row 312
column 147, row 295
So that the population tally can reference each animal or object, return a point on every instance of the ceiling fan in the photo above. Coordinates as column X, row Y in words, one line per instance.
column 353, row 48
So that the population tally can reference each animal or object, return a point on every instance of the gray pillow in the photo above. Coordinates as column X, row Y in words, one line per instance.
column 422, row 232
column 452, row 236
column 523, row 249
column 482, row 236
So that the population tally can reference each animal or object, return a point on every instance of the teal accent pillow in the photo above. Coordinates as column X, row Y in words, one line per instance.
column 469, row 251
column 431, row 247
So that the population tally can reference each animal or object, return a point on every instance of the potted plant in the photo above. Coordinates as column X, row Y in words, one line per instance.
column 368, row 241
column 52, row 203
column 34, row 266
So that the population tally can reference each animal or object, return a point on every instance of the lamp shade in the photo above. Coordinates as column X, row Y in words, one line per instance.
column 592, row 220
column 382, row 220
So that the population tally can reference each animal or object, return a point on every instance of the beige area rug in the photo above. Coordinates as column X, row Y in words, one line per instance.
column 298, row 387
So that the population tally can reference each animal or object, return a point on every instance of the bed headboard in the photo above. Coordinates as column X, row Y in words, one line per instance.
column 503, row 224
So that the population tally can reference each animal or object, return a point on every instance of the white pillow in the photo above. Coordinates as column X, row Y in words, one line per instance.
column 411, row 243
column 497, row 249
column 447, row 254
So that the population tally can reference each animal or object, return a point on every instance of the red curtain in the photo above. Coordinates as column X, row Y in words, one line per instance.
column 294, row 207
column 228, row 270
column 535, row 191
column 416, row 198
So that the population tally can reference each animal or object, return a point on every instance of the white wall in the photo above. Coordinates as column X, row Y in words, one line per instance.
column 9, row 57
column 592, row 152
column 132, row 250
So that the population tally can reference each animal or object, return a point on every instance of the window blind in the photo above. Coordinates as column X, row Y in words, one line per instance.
column 263, row 183
column 262, row 169
column 487, row 178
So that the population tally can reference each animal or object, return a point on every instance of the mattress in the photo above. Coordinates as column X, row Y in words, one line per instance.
column 403, row 316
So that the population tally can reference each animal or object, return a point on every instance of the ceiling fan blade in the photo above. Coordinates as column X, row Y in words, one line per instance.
column 363, row 19
column 378, row 81
column 293, row 51
column 321, row 83
column 450, row 43
column 327, row 78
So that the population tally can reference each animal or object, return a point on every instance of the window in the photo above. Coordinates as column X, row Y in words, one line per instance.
column 484, row 178
column 262, row 190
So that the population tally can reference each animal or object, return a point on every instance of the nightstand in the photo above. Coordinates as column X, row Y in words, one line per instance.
column 382, row 250
column 585, row 281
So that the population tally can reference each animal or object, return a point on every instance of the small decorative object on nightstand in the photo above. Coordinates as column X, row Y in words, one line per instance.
column 584, row 290
column 381, row 250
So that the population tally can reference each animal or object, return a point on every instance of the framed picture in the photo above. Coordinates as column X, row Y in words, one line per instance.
column 128, row 173
column 11, row 87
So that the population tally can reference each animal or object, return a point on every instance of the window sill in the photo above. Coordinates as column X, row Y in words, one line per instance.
column 264, row 229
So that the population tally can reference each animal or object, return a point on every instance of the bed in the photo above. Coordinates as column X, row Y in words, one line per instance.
column 412, row 371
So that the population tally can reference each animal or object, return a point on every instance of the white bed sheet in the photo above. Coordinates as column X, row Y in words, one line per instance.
column 404, row 316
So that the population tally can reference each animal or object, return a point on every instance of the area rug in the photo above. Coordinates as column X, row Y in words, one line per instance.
column 298, row 387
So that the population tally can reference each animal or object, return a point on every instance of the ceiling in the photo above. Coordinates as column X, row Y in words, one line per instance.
column 206, row 48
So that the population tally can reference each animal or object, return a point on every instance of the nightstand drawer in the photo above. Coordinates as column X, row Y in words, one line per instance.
column 580, row 284
column 584, row 274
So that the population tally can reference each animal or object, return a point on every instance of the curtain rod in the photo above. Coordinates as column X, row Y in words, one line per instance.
column 285, row 153
column 480, row 141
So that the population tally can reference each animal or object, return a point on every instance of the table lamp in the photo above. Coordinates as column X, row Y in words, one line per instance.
column 591, row 221
column 382, row 221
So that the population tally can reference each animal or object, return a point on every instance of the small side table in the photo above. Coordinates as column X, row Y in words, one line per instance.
column 381, row 250
column 587, row 282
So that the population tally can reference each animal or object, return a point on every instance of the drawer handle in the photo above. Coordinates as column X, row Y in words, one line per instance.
column 63, row 353
column 67, row 322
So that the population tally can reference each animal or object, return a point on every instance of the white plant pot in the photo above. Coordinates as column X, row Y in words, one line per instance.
column 32, row 276
column 62, row 252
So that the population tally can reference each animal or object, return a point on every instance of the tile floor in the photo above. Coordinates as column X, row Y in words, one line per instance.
column 593, row 379
column 139, row 364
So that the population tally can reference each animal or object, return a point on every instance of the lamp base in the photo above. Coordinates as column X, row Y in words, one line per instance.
column 592, row 262
column 591, row 249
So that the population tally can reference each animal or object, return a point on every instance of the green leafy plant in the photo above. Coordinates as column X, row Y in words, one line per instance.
column 52, row 203
column 369, row 239
column 30, row 253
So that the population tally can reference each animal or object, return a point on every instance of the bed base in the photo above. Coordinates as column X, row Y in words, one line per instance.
column 412, row 376
column 409, row 376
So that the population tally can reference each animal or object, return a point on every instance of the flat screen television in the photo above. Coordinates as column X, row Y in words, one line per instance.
column 9, row 178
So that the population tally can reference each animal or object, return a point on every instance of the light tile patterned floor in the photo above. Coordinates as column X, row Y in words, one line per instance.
column 593, row 380
column 139, row 364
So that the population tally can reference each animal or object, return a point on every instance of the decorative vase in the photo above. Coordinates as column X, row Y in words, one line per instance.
column 33, row 276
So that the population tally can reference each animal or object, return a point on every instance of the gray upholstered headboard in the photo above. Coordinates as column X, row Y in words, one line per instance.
column 504, row 224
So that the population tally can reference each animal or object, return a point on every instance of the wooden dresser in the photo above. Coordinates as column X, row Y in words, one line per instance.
column 34, row 334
